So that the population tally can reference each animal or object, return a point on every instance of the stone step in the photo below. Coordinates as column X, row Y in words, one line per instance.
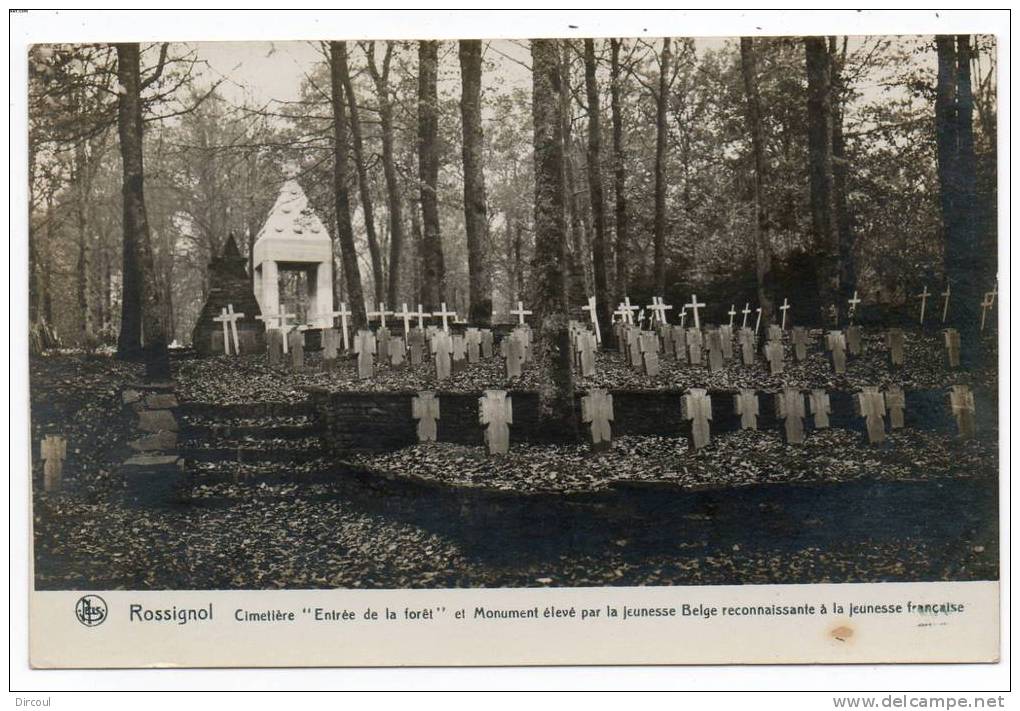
column 315, row 470
column 247, row 410
column 251, row 452
column 155, row 479
column 209, row 431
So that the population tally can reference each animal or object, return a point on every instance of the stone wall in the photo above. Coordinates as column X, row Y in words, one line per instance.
column 382, row 421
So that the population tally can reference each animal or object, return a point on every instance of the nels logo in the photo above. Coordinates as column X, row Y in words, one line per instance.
column 90, row 610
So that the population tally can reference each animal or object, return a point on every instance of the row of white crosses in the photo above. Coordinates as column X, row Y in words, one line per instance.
column 229, row 320
column 986, row 303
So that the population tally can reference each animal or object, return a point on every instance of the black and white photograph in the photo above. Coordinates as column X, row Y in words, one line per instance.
column 577, row 312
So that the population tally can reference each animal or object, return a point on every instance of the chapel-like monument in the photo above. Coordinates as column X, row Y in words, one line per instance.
column 229, row 287
column 294, row 239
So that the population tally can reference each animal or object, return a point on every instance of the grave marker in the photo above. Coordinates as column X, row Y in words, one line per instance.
column 952, row 340
column 229, row 320
column 513, row 353
column 442, row 349
column 961, row 399
column 986, row 303
column 330, row 346
column 715, row 356
column 683, row 315
column 894, row 341
column 945, row 303
column 732, row 312
column 852, row 312
column 365, row 347
column 665, row 333
column 726, row 336
column 584, row 344
column 486, row 343
column 790, row 409
column 276, row 345
column 633, row 335
column 382, row 336
column 648, row 344
column 746, row 312
column 696, row 406
column 694, row 305
column 896, row 402
column 416, row 346
column 679, row 341
column 820, row 408
column 444, row 314
column 296, row 341
column 523, row 334
column 757, row 321
column 659, row 309
column 923, row 296
column 425, row 409
column 625, row 311
column 53, row 451
column 590, row 308
column 473, row 343
column 745, row 404
column 458, row 352
column 406, row 316
column 775, row 333
column 283, row 326
column 784, row 308
column 396, row 351
column 381, row 314
column 854, row 344
column 871, row 406
column 800, row 343
column 746, row 338
column 774, row 355
column 694, row 345
column 495, row 412
column 520, row 313
column 421, row 314
column 835, row 343
column 597, row 409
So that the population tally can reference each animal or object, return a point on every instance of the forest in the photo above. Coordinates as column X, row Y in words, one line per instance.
column 479, row 173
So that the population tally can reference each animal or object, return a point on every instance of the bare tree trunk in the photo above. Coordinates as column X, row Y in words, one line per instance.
column 826, row 237
column 434, row 275
column 601, row 266
column 382, row 90
column 619, row 172
column 661, row 100
column 83, row 272
column 556, row 385
column 840, row 168
column 137, row 241
column 418, row 237
column 365, row 188
column 762, row 239
column 575, row 249
column 476, row 221
column 341, row 177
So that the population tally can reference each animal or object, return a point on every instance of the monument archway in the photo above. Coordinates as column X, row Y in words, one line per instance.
column 294, row 244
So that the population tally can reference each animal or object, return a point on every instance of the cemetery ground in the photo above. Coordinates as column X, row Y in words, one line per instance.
column 272, row 508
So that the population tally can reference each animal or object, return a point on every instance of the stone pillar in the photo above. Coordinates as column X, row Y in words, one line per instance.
column 323, row 299
column 269, row 294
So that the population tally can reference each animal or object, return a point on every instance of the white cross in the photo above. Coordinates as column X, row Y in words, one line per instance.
column 853, row 305
column 746, row 311
column 732, row 312
column 594, row 318
column 406, row 317
column 783, row 308
column 694, row 307
column 285, row 327
column 343, row 313
column 641, row 318
column 626, row 310
column 683, row 315
column 757, row 320
column 994, row 292
column 986, row 304
column 229, row 320
column 520, row 313
column 382, row 313
column 659, row 308
column 443, row 314
column 945, row 302
column 923, row 296
column 422, row 315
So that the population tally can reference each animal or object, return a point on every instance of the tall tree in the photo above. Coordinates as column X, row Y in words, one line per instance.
column 762, row 238
column 434, row 270
column 381, row 79
column 826, row 236
column 661, row 99
column 364, row 186
column 619, row 169
column 599, row 251
column 141, row 319
column 341, row 179
column 577, row 276
column 840, row 170
column 556, row 384
column 476, row 221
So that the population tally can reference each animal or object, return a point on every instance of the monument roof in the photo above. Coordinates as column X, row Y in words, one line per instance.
column 292, row 217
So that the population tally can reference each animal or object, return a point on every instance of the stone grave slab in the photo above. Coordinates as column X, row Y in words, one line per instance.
column 425, row 409
column 597, row 410
column 696, row 406
column 745, row 404
column 495, row 413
